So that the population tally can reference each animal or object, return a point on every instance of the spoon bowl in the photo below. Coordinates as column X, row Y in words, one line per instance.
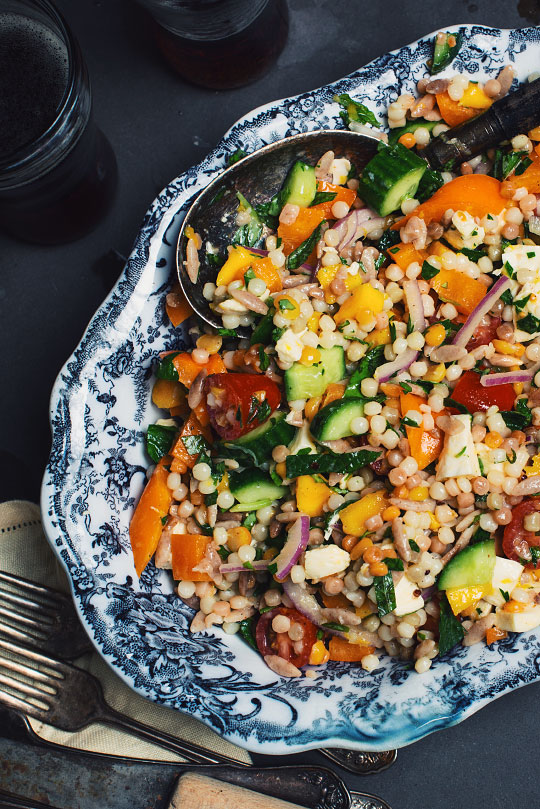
column 258, row 177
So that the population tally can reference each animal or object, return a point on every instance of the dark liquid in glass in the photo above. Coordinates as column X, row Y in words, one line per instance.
column 233, row 60
column 71, row 196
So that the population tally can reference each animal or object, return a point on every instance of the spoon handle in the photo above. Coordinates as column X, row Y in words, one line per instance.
column 515, row 113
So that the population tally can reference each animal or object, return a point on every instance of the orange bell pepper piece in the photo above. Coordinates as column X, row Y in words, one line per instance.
column 530, row 179
column 493, row 633
column 145, row 527
column 333, row 392
column 167, row 394
column 240, row 260
column 453, row 112
column 335, row 602
column 192, row 426
column 342, row 650
column 425, row 445
column 342, row 193
column 301, row 229
column 404, row 254
column 177, row 306
column 458, row 288
column 477, row 194
column 188, row 369
column 188, row 551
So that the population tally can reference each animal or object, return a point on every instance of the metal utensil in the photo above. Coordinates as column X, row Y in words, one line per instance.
column 43, row 618
column 261, row 174
column 80, row 780
column 70, row 699
column 22, row 603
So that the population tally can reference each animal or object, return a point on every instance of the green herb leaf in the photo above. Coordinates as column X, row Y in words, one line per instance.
column 328, row 462
column 286, row 304
column 195, row 444
column 226, row 332
column 504, row 594
column 248, row 235
column 428, row 271
column 385, row 594
column 393, row 564
column 450, row 630
column 405, row 387
column 521, row 304
column 264, row 359
column 246, row 629
column 237, row 155
column 323, row 196
column 164, row 519
column 461, row 452
column 473, row 255
column 365, row 369
column 336, row 627
column 388, row 240
column 520, row 417
column 272, row 569
column 298, row 256
column 414, row 546
column 268, row 212
column 535, row 554
column 250, row 519
column 529, row 323
column 262, row 333
column 166, row 369
column 355, row 111
column 159, row 440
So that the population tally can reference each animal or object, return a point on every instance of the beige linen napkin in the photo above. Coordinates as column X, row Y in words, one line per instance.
column 25, row 551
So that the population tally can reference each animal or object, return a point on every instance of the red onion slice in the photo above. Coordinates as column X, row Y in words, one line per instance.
column 401, row 363
column 297, row 542
column 352, row 226
column 258, row 251
column 261, row 564
column 469, row 327
column 506, row 378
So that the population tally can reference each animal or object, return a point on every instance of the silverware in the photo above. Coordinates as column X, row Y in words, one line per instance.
column 46, row 620
column 67, row 777
column 70, row 699
column 43, row 618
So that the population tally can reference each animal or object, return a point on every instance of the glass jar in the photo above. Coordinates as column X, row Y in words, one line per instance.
column 220, row 44
column 57, row 170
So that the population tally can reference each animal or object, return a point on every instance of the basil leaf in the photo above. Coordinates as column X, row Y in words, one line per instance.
column 325, row 463
column 322, row 196
column 336, row 627
column 355, row 111
column 166, row 369
column 246, row 629
column 473, row 255
column 226, row 332
column 298, row 256
column 388, row 239
column 385, row 594
column 366, row 368
column 519, row 418
column 450, row 630
column 428, row 271
column 529, row 323
column 394, row 564
column 262, row 333
column 195, row 444
column 159, row 440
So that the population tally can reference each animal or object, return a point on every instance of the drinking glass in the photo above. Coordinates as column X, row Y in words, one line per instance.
column 57, row 170
column 220, row 44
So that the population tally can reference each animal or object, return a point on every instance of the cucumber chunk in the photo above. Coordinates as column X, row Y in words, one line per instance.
column 300, row 185
column 334, row 420
column 473, row 565
column 262, row 440
column 390, row 177
column 253, row 485
column 305, row 381
column 445, row 49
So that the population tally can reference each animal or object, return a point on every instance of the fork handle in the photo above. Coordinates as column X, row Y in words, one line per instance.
column 191, row 752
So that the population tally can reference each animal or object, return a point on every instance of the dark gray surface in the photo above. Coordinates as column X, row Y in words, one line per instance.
column 158, row 126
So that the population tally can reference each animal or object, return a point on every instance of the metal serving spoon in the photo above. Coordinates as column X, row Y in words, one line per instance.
column 261, row 174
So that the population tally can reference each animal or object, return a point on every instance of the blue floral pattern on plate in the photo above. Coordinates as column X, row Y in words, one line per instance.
column 100, row 408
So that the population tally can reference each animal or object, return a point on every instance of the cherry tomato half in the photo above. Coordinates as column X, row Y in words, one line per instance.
column 237, row 403
column 475, row 397
column 484, row 334
column 279, row 643
column 516, row 540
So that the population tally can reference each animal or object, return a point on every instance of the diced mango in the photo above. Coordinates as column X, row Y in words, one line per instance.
column 534, row 468
column 379, row 337
column 311, row 495
column 325, row 275
column 460, row 598
column 353, row 517
column 364, row 298
column 239, row 260
column 364, row 610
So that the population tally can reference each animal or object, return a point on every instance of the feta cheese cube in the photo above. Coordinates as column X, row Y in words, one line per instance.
column 518, row 621
column 458, row 458
column 339, row 169
column 290, row 346
column 325, row 561
column 506, row 575
column 407, row 598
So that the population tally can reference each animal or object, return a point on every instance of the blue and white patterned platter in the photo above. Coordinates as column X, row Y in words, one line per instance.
column 100, row 409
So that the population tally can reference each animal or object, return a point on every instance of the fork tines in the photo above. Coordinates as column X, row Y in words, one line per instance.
column 28, row 679
column 40, row 617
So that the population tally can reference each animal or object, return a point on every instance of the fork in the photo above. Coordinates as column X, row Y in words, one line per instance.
column 46, row 620
column 69, row 698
